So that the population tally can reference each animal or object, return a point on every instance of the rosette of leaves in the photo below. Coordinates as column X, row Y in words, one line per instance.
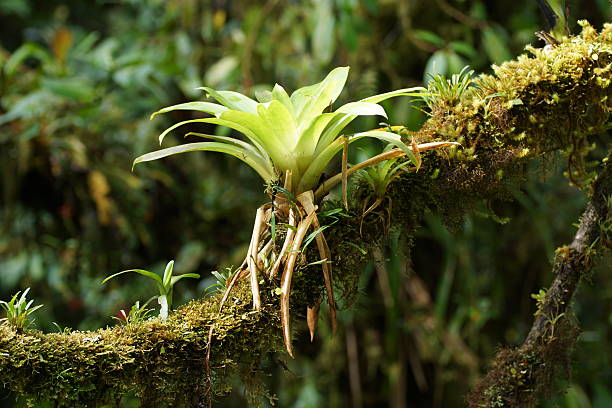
column 290, row 140
column 378, row 178
column 18, row 310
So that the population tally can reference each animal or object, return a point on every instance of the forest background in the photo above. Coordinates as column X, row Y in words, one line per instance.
column 78, row 82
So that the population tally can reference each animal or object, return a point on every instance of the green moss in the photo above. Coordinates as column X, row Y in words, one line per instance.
column 551, row 99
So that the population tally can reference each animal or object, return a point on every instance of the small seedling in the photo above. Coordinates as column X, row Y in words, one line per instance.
column 18, row 311
column 164, row 284
column 379, row 177
column 137, row 313
column 442, row 89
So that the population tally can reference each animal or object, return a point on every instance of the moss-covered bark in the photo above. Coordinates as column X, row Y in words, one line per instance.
column 548, row 101
column 519, row 376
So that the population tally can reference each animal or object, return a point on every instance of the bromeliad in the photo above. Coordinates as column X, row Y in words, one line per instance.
column 290, row 140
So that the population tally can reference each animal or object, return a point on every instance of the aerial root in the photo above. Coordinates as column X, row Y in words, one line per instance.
column 260, row 220
column 262, row 256
column 287, row 276
column 286, row 244
column 307, row 201
column 312, row 317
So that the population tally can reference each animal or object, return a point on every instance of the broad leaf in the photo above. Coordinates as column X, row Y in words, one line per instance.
column 232, row 141
column 415, row 91
column 279, row 94
column 253, row 126
column 310, row 136
column 311, row 176
column 310, row 101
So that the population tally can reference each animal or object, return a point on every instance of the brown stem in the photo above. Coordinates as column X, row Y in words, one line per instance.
column 391, row 154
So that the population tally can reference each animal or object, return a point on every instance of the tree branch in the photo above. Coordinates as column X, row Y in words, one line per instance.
column 533, row 106
column 519, row 377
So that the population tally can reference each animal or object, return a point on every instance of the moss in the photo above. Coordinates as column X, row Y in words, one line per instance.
column 162, row 362
column 549, row 99
column 520, row 377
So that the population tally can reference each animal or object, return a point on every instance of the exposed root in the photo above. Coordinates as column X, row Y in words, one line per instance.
column 287, row 276
column 371, row 208
column 286, row 244
column 253, row 256
column 345, row 173
column 307, row 200
column 312, row 317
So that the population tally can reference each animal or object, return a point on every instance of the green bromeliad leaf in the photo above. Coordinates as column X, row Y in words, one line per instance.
column 206, row 107
column 284, row 133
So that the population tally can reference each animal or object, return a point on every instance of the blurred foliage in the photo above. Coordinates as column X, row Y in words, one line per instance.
column 77, row 84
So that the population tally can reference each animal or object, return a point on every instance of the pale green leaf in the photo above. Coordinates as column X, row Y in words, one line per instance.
column 237, row 126
column 246, row 156
column 255, row 127
column 279, row 93
column 414, row 91
column 310, row 137
column 143, row 272
column 168, row 274
column 310, row 101
column 233, row 100
column 311, row 176
column 281, row 135
column 335, row 127
column 232, row 141
column 185, row 275
column 207, row 107
column 362, row 108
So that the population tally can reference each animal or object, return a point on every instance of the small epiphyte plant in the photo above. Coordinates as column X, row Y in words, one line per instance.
column 165, row 285
column 18, row 310
column 442, row 90
column 378, row 178
column 137, row 313
column 291, row 139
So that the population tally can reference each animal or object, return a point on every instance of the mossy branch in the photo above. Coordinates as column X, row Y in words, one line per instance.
column 535, row 105
column 519, row 377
